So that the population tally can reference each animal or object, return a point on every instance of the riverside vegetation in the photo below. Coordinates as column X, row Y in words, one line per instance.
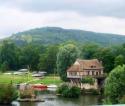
column 69, row 92
column 7, row 93
column 114, row 86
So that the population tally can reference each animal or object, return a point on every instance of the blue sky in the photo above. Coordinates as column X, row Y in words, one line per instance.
column 95, row 15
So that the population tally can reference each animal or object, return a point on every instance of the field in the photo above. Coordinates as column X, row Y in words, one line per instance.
column 16, row 79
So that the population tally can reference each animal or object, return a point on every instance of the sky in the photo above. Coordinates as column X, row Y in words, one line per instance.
column 106, row 16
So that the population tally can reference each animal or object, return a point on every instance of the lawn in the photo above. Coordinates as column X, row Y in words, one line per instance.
column 14, row 78
column 48, row 80
column 29, row 79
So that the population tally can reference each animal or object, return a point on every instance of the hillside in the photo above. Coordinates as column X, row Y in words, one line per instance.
column 55, row 35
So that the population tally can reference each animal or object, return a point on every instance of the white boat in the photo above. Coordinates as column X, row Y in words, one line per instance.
column 52, row 86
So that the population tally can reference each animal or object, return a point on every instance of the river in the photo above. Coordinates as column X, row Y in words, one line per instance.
column 52, row 100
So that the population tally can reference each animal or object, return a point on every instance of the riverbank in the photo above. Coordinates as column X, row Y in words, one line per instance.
column 52, row 100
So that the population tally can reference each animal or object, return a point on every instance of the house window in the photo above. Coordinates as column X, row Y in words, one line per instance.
column 99, row 72
column 93, row 73
column 73, row 73
column 96, row 73
column 88, row 73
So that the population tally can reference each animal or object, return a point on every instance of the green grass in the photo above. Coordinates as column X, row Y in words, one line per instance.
column 49, row 80
column 16, row 79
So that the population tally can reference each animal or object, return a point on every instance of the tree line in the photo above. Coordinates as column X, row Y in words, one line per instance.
column 34, row 57
column 58, row 57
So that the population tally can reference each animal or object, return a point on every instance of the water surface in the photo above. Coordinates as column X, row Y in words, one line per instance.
column 52, row 100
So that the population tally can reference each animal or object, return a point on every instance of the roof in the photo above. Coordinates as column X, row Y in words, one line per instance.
column 81, row 65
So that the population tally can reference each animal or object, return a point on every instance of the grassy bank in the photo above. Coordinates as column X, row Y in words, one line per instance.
column 48, row 80
column 16, row 79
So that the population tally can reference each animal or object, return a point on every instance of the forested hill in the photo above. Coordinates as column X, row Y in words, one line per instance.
column 54, row 35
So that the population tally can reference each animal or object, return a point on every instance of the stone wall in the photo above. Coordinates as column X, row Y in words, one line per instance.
column 85, row 86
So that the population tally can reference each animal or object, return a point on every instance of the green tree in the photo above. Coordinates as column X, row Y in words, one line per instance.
column 88, row 50
column 48, row 59
column 119, row 60
column 4, row 66
column 107, row 57
column 8, row 56
column 114, row 85
column 66, row 57
column 29, row 57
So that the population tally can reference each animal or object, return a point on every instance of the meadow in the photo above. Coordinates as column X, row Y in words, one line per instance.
column 17, row 79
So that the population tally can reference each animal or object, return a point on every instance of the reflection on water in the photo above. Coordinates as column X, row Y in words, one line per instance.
column 52, row 100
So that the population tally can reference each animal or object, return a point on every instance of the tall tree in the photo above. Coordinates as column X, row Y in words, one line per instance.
column 107, row 57
column 48, row 59
column 88, row 50
column 114, row 85
column 8, row 56
column 119, row 60
column 66, row 56
column 29, row 57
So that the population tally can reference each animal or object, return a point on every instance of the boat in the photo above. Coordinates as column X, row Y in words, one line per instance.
column 52, row 86
column 39, row 86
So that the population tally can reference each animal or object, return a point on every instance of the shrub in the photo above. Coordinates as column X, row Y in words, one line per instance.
column 62, row 88
column 74, row 92
column 114, row 85
column 88, row 80
column 7, row 93
column 70, row 92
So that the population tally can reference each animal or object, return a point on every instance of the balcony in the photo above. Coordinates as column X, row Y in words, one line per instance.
column 94, row 76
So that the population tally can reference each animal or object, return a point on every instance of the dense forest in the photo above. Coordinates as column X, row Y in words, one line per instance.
column 55, row 35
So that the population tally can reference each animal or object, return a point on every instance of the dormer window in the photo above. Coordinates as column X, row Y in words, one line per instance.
column 93, row 66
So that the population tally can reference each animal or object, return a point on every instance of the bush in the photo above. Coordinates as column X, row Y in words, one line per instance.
column 62, row 88
column 70, row 92
column 7, row 93
column 88, row 80
column 114, row 86
column 74, row 92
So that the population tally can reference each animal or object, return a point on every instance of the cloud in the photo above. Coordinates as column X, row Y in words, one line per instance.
column 93, row 15
column 113, row 8
column 13, row 21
